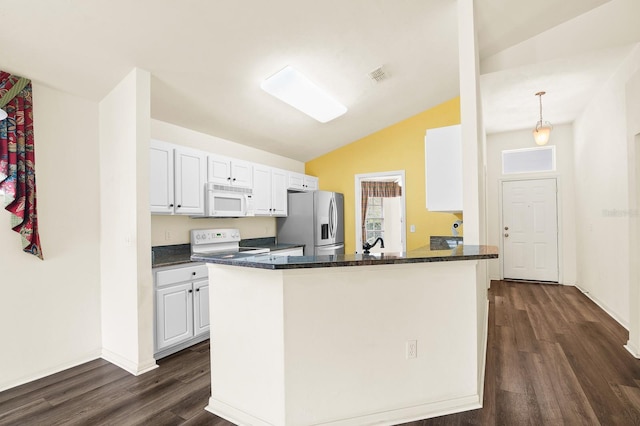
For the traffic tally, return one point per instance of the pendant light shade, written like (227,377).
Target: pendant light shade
(543,128)
(3,114)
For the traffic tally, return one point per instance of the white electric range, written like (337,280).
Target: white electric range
(220,241)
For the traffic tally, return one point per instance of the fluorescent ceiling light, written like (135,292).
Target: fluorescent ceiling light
(292,87)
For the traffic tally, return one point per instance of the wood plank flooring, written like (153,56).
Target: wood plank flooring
(553,358)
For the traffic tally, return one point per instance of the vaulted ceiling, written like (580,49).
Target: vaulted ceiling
(207,58)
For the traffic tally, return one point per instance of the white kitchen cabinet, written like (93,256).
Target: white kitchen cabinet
(201,307)
(174,314)
(443,160)
(181,308)
(177,179)
(301,182)
(229,171)
(269,191)
(161,177)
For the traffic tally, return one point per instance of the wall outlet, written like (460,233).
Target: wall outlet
(412,349)
(167,235)
(412,228)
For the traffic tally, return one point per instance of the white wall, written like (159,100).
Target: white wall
(176,228)
(633,139)
(562,138)
(602,194)
(125,240)
(50,309)
(473,163)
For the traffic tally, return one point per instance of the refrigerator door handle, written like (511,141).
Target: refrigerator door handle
(332,209)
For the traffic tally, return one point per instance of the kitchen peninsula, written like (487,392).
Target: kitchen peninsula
(346,339)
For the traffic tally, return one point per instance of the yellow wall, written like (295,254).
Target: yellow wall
(397,147)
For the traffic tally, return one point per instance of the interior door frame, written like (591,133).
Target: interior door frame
(358,203)
(559,216)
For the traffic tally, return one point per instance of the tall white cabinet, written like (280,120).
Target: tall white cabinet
(177,179)
(443,160)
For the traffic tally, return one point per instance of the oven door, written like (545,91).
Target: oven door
(226,204)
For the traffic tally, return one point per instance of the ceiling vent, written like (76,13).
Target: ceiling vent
(378,75)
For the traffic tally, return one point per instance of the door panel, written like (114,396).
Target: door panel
(201,307)
(174,315)
(530,230)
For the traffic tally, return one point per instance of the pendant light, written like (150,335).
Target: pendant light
(3,114)
(543,128)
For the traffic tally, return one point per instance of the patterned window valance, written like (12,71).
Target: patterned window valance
(17,160)
(373,189)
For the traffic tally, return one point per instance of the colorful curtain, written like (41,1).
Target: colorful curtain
(371,189)
(17,160)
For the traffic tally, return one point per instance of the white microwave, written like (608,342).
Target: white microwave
(228,201)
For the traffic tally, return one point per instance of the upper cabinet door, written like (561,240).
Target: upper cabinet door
(219,170)
(190,178)
(262,190)
(278,192)
(443,159)
(301,182)
(242,174)
(310,183)
(230,172)
(295,181)
(161,177)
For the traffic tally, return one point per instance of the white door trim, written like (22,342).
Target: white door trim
(559,204)
(358,203)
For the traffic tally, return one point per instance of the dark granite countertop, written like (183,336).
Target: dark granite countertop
(268,242)
(179,254)
(421,255)
(170,255)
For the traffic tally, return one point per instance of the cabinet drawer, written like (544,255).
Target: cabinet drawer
(177,275)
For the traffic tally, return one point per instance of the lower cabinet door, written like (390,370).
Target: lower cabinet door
(174,310)
(201,306)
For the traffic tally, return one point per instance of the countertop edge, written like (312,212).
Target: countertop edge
(306,262)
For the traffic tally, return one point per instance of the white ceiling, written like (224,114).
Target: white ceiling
(207,58)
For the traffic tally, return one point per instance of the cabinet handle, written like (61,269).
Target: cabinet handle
(198,289)
(193,273)
(234,179)
(190,291)
(170,205)
(229,178)
(179,205)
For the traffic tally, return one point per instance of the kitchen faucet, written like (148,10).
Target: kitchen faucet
(366,246)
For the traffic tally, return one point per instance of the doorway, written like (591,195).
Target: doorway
(380,211)
(530,230)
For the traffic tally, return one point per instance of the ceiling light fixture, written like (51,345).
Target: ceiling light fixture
(3,114)
(293,88)
(543,128)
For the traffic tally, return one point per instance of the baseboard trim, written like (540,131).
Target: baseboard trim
(385,418)
(483,367)
(48,372)
(130,366)
(632,349)
(603,307)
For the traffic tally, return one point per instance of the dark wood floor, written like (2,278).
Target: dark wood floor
(553,358)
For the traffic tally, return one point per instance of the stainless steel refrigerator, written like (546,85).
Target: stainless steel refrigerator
(315,219)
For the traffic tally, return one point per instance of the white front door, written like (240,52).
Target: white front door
(530,230)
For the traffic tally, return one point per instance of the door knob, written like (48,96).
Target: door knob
(506,235)
(506,228)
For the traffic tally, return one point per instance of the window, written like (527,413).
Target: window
(374,221)
(529,160)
